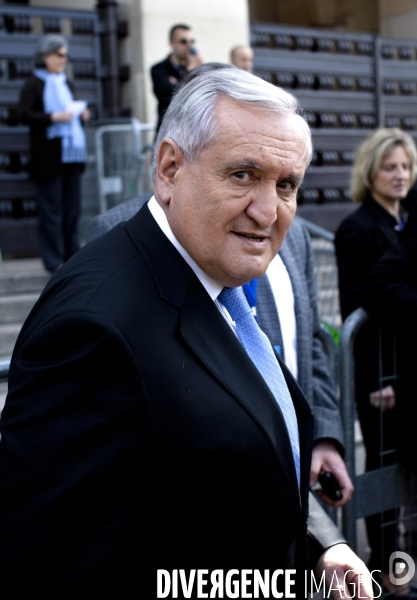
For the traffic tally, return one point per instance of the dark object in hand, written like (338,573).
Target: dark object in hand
(330,486)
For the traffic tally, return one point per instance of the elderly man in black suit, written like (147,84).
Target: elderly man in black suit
(290,276)
(142,434)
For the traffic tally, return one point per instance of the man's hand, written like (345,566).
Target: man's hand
(346,574)
(194,60)
(383,399)
(327,458)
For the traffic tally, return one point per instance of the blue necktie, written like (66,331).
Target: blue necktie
(260,351)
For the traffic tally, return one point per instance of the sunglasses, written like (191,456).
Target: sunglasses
(62,54)
(183,41)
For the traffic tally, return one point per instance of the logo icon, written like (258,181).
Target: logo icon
(401,568)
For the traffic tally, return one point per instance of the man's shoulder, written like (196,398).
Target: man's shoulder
(100,224)
(297,231)
(92,268)
(296,241)
(163,65)
(101,281)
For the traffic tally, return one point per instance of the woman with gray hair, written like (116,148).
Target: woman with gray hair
(58,150)
(383,172)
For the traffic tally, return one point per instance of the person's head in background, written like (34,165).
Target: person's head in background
(52,53)
(182,41)
(242,57)
(204,68)
(384,167)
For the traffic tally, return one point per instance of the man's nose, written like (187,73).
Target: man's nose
(263,205)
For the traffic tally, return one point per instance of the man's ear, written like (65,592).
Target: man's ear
(169,158)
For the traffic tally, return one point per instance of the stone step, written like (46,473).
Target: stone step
(22,282)
(15,308)
(8,337)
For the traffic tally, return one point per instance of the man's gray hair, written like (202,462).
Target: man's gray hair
(191,122)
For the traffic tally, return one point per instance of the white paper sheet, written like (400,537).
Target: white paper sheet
(76,107)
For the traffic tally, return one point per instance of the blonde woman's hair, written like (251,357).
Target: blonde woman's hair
(370,155)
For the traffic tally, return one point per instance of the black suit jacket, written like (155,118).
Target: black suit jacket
(162,87)
(138,434)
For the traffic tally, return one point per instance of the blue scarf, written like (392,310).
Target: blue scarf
(56,97)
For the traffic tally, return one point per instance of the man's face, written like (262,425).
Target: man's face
(243,58)
(182,41)
(232,209)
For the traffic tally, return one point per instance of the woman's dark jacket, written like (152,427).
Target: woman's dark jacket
(360,242)
(45,154)
(390,294)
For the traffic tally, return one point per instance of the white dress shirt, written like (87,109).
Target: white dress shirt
(284,300)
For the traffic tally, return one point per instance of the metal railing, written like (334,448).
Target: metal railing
(325,271)
(4,368)
(120,157)
(378,490)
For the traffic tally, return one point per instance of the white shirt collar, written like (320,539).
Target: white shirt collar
(211,286)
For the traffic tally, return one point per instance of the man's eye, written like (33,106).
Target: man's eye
(287,186)
(242,175)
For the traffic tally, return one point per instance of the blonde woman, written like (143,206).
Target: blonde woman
(383,172)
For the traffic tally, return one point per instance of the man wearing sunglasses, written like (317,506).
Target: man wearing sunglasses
(169,72)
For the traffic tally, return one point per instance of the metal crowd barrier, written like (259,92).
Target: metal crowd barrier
(379,490)
(121,156)
(4,368)
(382,489)
(325,271)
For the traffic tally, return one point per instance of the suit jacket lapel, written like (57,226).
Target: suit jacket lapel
(216,345)
(267,313)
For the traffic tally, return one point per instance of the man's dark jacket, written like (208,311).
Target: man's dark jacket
(138,435)
(162,87)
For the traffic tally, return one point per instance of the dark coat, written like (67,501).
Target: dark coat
(137,434)
(45,159)
(360,241)
(390,294)
(162,87)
